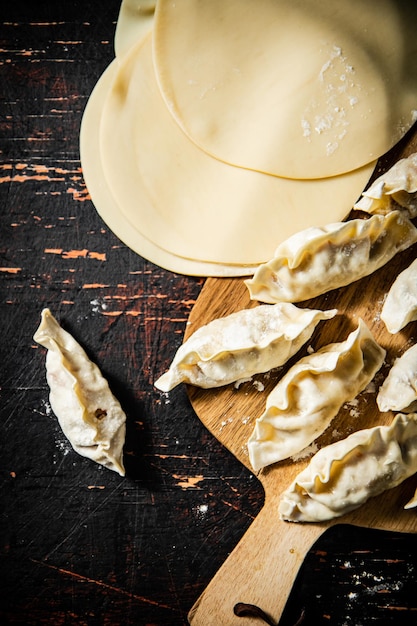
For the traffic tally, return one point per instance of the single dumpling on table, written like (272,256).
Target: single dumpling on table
(239,345)
(90,416)
(318,259)
(344,475)
(311,393)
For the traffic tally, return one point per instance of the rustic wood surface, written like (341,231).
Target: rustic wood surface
(79,544)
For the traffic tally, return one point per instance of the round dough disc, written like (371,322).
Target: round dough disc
(295,88)
(107,207)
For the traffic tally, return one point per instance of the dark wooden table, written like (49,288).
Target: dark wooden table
(80,545)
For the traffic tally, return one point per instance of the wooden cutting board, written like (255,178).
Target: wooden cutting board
(262,568)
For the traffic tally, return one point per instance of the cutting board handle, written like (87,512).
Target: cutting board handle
(261,570)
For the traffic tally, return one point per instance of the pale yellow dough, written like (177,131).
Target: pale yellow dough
(400,305)
(394,189)
(296,88)
(192,205)
(307,398)
(107,206)
(135,20)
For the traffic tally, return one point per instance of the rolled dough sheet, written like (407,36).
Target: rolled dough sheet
(135,20)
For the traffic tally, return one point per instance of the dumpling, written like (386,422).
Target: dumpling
(400,306)
(134,21)
(239,345)
(345,474)
(397,187)
(88,413)
(310,395)
(316,260)
(398,392)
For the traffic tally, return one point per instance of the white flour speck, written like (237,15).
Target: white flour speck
(306,126)
(165,397)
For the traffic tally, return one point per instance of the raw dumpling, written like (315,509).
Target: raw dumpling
(316,260)
(400,306)
(397,187)
(399,390)
(242,344)
(309,396)
(342,476)
(88,413)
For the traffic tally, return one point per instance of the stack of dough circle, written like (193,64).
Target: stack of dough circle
(221,129)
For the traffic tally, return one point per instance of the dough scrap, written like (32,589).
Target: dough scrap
(90,416)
